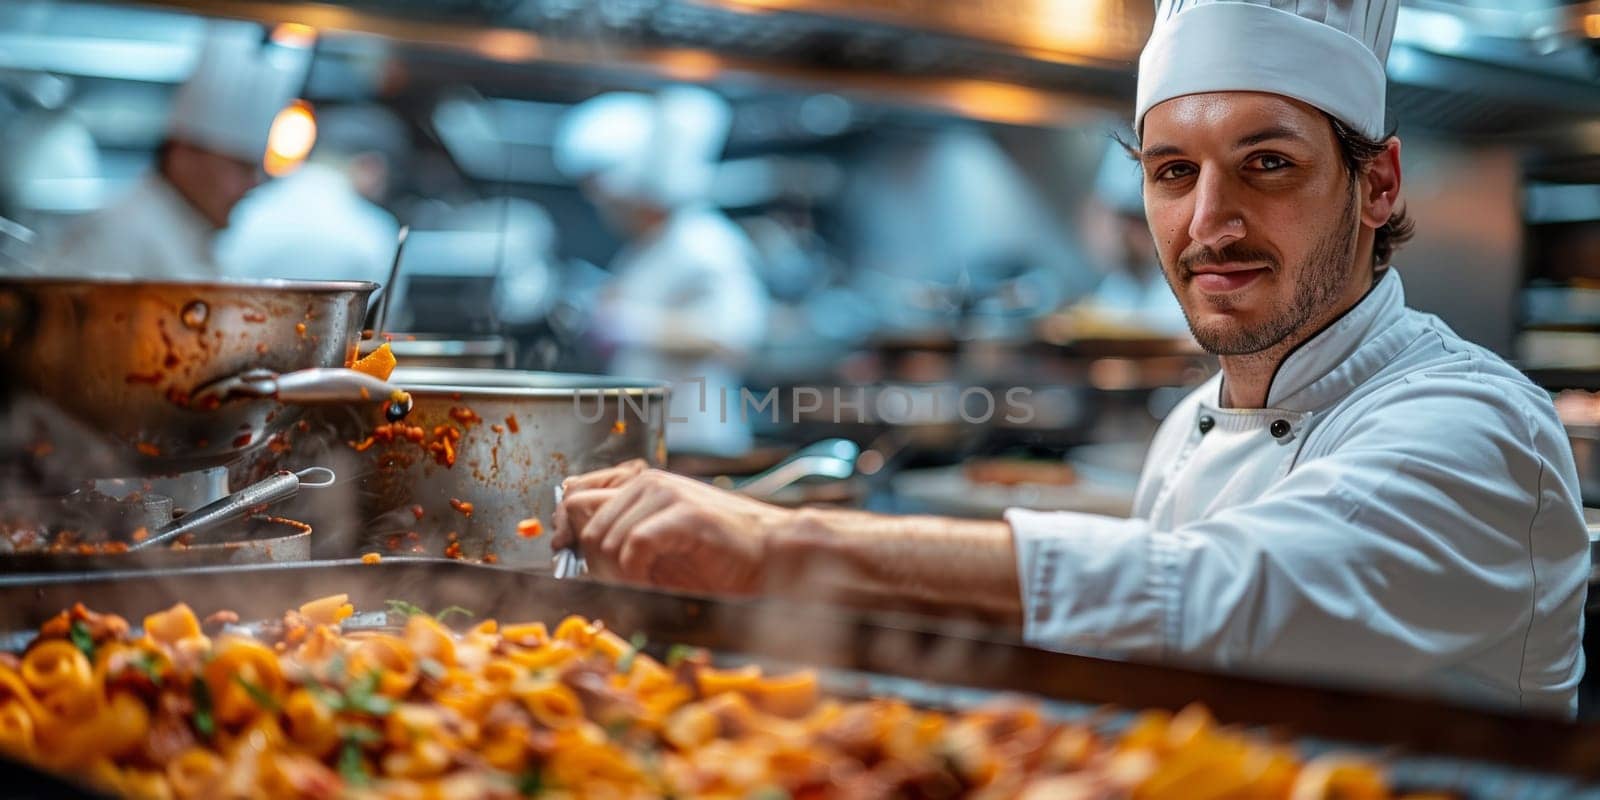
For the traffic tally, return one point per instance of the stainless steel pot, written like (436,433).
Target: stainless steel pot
(258,540)
(516,436)
(433,350)
(172,376)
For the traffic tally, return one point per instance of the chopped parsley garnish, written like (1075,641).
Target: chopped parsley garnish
(446,612)
(530,783)
(637,643)
(352,766)
(363,696)
(82,639)
(405,609)
(204,723)
(261,696)
(149,664)
(679,653)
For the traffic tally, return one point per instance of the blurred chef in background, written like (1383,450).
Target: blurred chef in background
(216,141)
(325,220)
(685,304)
(1134,293)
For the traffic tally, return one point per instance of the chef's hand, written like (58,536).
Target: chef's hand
(644,525)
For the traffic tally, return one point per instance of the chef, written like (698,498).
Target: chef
(212,155)
(685,305)
(1360,495)
(324,221)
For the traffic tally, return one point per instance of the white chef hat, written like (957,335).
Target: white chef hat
(663,148)
(605,135)
(1327,53)
(238,86)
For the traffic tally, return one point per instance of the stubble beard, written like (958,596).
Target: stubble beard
(1323,277)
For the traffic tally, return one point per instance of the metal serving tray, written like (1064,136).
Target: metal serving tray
(1428,744)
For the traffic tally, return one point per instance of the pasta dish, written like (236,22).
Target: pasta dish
(443,706)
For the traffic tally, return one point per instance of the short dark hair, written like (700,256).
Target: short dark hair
(1359,151)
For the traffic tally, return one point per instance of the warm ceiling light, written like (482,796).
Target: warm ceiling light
(294,34)
(1591,25)
(289,140)
(694,66)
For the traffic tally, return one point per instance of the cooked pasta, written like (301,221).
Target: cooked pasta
(419,709)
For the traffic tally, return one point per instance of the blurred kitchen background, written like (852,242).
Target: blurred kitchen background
(926,197)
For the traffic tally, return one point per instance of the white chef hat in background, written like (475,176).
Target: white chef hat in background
(239,85)
(1327,53)
(607,137)
(692,126)
(662,148)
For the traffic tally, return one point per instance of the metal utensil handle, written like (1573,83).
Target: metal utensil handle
(280,486)
(394,276)
(317,386)
(829,458)
(569,562)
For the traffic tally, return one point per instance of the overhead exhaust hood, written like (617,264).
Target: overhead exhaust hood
(1463,67)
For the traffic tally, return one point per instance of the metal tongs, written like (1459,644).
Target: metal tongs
(282,485)
(829,458)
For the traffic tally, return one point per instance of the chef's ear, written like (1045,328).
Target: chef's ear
(1380,185)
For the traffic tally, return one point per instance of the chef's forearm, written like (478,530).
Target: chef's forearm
(872,559)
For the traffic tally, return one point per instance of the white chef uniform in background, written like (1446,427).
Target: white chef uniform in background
(239,85)
(1404,510)
(689,275)
(323,221)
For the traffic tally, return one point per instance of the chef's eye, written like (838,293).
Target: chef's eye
(1174,172)
(1269,162)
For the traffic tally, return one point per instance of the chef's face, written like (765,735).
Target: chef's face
(212,182)
(1255,215)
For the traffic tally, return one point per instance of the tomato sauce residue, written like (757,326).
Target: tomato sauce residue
(148,449)
(453,550)
(530,528)
(293,523)
(300,329)
(242,439)
(254,316)
(151,378)
(461,506)
(511,424)
(464,415)
(371,558)
(416,511)
(490,558)
(619,427)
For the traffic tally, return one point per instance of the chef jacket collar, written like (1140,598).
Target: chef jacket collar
(1343,355)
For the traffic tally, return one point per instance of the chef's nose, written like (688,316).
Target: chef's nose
(1218,218)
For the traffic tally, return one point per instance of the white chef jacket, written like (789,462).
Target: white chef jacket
(308,225)
(696,266)
(150,232)
(1403,513)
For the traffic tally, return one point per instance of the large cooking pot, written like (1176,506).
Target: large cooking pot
(170,376)
(513,436)
(446,350)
